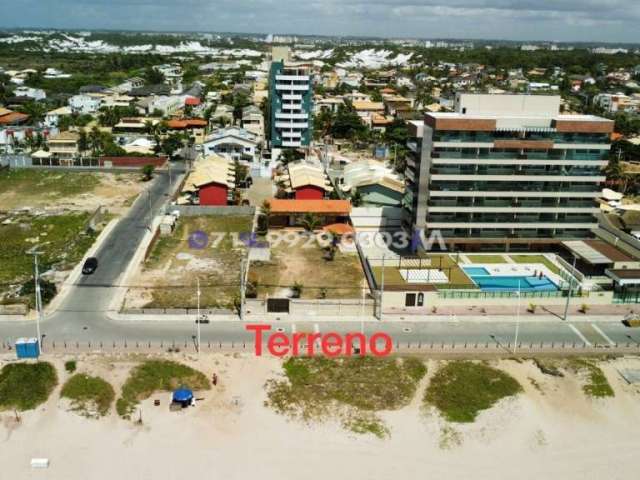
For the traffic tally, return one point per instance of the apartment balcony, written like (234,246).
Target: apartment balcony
(292,78)
(291,106)
(286,134)
(292,88)
(292,116)
(291,125)
(291,143)
(291,96)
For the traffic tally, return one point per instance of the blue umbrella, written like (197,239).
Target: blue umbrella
(182,395)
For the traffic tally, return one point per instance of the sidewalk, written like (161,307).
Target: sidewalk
(279,317)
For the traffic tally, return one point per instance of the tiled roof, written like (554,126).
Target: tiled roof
(327,207)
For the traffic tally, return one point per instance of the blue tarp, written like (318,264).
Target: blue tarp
(182,395)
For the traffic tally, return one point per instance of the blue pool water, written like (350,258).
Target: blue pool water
(476,271)
(487,282)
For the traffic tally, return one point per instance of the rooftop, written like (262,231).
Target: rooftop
(326,207)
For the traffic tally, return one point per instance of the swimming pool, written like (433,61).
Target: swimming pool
(510,283)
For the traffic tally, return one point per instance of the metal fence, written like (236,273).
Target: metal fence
(444,293)
(399,347)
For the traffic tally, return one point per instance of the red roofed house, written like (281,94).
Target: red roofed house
(307,181)
(291,212)
(195,126)
(211,182)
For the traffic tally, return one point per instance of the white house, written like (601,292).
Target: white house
(34,93)
(52,118)
(85,103)
(234,143)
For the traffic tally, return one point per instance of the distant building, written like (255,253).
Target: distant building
(64,146)
(290,102)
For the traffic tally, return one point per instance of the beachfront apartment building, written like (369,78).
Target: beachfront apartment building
(505,172)
(290,102)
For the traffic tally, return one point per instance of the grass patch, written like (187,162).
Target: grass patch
(486,259)
(351,389)
(24,386)
(341,277)
(61,239)
(27,186)
(461,389)
(157,375)
(88,393)
(70,366)
(536,259)
(596,385)
(365,423)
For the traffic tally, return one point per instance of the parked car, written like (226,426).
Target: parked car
(90,265)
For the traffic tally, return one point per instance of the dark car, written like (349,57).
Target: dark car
(90,265)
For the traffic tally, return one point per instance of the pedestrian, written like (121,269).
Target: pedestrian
(215,379)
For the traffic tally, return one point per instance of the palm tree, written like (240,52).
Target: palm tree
(83,142)
(310,222)
(95,141)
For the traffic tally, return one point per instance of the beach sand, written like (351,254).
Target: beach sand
(552,430)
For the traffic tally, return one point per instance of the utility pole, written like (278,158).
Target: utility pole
(149,203)
(515,344)
(243,286)
(381,287)
(198,319)
(38,296)
(566,306)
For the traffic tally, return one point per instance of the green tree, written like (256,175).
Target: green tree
(147,172)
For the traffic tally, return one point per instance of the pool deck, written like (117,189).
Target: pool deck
(517,270)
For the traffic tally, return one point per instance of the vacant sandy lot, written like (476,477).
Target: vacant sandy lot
(551,431)
(70,190)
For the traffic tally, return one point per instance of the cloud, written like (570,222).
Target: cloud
(585,20)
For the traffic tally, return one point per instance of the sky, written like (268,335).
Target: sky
(550,20)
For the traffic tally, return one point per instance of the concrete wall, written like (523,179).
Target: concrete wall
(197,210)
(376,218)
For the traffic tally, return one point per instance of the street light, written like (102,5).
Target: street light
(515,343)
(38,295)
(198,319)
(566,306)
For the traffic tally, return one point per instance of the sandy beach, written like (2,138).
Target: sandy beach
(552,430)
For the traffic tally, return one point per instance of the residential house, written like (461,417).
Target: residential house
(32,93)
(253,120)
(85,103)
(291,212)
(233,142)
(196,127)
(307,181)
(52,117)
(211,182)
(375,182)
(366,110)
(172,73)
(64,146)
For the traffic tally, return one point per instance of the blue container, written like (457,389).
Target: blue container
(27,348)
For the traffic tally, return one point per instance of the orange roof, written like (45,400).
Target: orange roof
(339,228)
(187,123)
(616,136)
(327,207)
(192,101)
(13,117)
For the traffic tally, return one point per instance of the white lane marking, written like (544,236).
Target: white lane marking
(579,333)
(604,335)
(293,328)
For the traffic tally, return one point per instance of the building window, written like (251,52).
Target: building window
(420,300)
